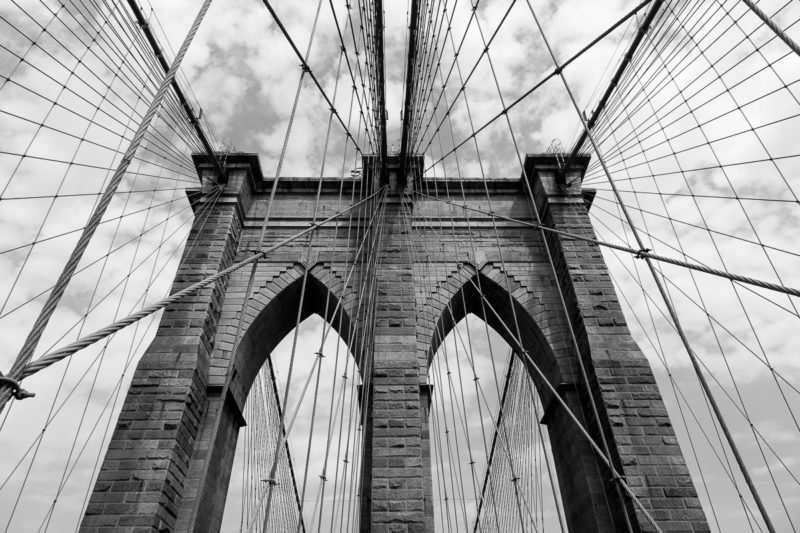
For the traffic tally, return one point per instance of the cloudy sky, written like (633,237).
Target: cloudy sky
(708,155)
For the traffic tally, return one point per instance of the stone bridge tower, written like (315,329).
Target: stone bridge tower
(163,441)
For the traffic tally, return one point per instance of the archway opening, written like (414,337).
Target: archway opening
(316,431)
(491,462)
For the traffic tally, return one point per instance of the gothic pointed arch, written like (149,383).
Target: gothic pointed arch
(171,453)
(273,311)
(511,307)
(525,317)
(288,296)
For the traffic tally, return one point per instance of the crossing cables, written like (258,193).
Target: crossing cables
(32,341)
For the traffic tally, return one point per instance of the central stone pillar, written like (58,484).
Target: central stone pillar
(395,478)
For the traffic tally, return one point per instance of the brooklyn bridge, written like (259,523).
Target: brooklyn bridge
(354,265)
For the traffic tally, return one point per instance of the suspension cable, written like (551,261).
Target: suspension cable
(62,353)
(667,302)
(643,253)
(26,353)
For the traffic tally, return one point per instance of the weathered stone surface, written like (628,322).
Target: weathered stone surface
(458,262)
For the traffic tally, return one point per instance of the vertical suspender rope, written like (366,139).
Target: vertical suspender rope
(606,451)
(9,386)
(667,302)
(487,473)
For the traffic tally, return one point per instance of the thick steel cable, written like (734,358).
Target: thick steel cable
(164,222)
(673,314)
(730,333)
(92,303)
(27,351)
(67,473)
(626,60)
(74,162)
(53,357)
(734,286)
(70,232)
(742,412)
(774,27)
(619,150)
(716,157)
(643,253)
(59,188)
(91,167)
(730,398)
(142,298)
(535,212)
(203,214)
(190,114)
(117,389)
(530,91)
(40,125)
(133,85)
(478,388)
(618,478)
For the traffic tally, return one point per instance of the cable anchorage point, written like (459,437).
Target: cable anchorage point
(16,389)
